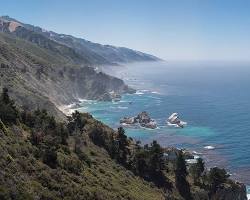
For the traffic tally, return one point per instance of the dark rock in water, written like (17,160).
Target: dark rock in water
(174,120)
(143,119)
(128,120)
(152,124)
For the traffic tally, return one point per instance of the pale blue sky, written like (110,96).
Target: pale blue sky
(170,29)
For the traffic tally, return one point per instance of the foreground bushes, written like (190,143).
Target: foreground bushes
(56,155)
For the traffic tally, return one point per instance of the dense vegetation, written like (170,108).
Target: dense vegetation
(47,157)
(42,158)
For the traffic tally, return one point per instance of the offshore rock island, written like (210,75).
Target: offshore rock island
(46,154)
(143,119)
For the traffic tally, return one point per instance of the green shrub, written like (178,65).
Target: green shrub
(8,112)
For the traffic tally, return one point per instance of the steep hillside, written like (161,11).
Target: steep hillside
(77,49)
(40,78)
(110,53)
(46,158)
(85,159)
(40,159)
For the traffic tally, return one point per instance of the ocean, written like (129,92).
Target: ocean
(212,97)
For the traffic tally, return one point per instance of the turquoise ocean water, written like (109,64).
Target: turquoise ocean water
(212,97)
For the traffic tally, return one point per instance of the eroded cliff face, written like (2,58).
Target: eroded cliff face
(36,79)
(232,191)
(48,87)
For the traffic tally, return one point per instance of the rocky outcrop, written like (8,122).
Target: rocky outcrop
(230,191)
(171,153)
(174,120)
(143,119)
(226,191)
(128,120)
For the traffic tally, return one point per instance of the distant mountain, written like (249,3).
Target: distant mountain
(42,73)
(49,157)
(76,49)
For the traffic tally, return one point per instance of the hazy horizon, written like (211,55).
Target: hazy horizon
(171,30)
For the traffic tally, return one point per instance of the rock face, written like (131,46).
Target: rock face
(42,78)
(171,153)
(128,120)
(232,191)
(174,120)
(143,119)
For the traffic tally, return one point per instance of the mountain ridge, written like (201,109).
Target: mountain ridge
(39,76)
(97,53)
(46,155)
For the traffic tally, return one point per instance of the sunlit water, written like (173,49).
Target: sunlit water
(213,98)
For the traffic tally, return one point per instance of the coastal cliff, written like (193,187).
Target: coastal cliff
(234,190)
(36,79)
(85,159)
(45,157)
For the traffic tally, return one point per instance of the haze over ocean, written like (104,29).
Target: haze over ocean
(211,97)
(204,76)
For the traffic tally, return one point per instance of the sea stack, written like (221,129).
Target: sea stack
(143,119)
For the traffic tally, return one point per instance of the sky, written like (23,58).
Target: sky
(169,29)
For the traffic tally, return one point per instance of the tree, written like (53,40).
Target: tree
(139,164)
(157,166)
(216,176)
(122,146)
(63,133)
(123,141)
(157,160)
(149,163)
(197,169)
(76,122)
(5,96)
(51,122)
(180,176)
(8,111)
(50,157)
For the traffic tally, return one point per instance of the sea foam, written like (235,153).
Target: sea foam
(209,147)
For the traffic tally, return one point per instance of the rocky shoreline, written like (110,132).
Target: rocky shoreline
(170,153)
(143,119)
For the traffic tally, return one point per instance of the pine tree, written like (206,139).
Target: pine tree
(8,111)
(180,176)
(156,162)
(196,170)
(5,96)
(216,176)
(123,144)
